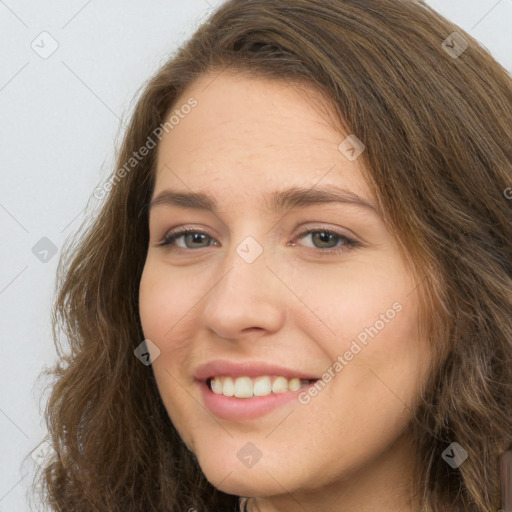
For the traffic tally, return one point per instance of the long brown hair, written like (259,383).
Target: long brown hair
(436,125)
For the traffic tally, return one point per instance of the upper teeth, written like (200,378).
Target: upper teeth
(245,387)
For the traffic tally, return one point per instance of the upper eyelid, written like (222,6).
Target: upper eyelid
(180,231)
(194,228)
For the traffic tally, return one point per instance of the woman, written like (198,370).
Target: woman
(264,370)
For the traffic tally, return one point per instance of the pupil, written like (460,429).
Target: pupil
(196,237)
(324,237)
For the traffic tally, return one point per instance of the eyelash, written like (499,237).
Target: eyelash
(347,245)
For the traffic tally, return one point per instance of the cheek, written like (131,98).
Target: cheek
(163,304)
(380,379)
(382,356)
(377,359)
(165,314)
(365,300)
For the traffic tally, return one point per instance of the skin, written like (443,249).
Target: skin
(349,448)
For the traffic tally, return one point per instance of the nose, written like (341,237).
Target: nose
(247,295)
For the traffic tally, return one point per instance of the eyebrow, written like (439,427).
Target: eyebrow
(278,202)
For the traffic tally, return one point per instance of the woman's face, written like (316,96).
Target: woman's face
(273,288)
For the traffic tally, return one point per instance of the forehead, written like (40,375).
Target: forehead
(247,134)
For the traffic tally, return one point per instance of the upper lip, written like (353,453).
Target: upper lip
(228,368)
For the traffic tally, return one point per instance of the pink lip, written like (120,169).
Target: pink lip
(240,409)
(224,367)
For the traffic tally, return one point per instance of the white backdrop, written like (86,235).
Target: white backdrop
(68,74)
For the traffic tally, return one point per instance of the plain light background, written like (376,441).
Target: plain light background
(61,117)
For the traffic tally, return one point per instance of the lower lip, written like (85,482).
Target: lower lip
(239,409)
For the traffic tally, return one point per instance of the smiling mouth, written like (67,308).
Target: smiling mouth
(247,387)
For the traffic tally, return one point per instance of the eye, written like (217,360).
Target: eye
(189,235)
(323,237)
(193,238)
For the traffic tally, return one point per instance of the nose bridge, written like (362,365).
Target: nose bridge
(246,295)
(247,271)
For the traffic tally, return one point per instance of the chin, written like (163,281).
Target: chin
(223,469)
